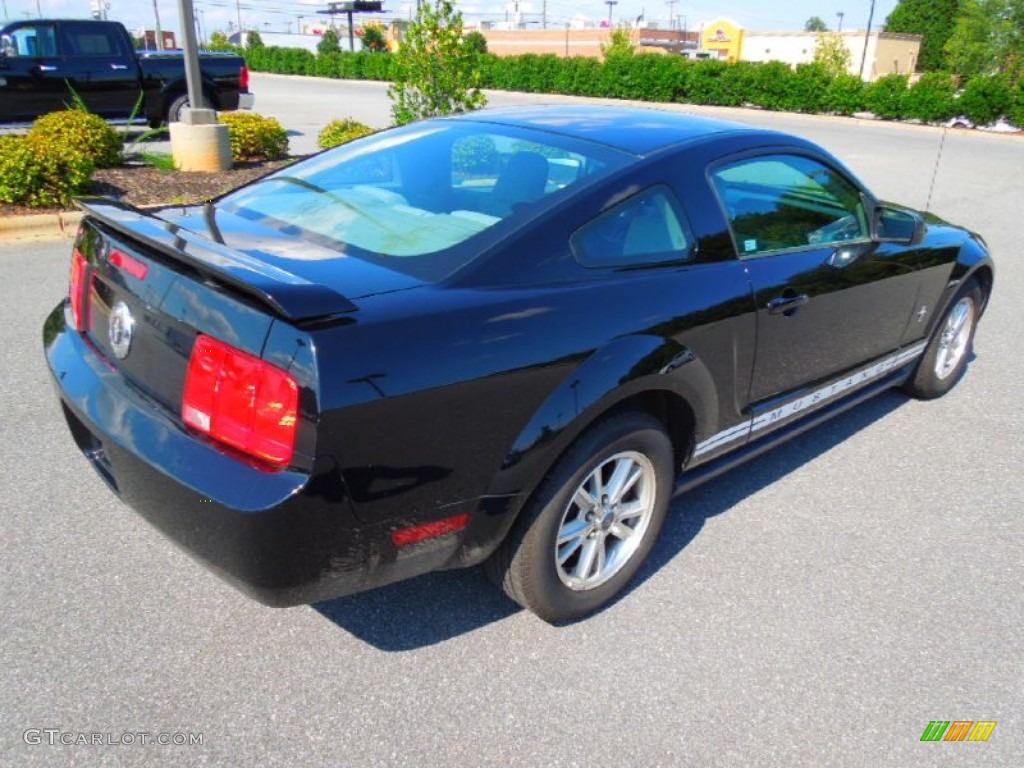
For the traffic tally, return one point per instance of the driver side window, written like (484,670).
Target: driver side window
(783,202)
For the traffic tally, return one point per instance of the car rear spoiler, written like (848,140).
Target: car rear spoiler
(285,294)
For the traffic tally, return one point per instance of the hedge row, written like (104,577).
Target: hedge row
(661,78)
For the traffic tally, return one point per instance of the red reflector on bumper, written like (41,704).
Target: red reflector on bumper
(406,536)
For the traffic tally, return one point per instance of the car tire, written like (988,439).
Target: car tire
(591,523)
(945,358)
(176,107)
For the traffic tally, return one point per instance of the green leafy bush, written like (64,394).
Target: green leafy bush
(34,173)
(79,132)
(986,98)
(885,96)
(714,82)
(340,132)
(844,95)
(931,98)
(1016,114)
(255,137)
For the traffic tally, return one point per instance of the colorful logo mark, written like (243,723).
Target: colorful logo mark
(958,730)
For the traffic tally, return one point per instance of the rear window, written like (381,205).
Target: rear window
(424,199)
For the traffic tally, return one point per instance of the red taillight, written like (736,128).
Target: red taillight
(405,536)
(129,264)
(243,79)
(241,400)
(76,289)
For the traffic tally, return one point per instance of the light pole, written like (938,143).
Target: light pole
(611,4)
(671,16)
(159,35)
(839,27)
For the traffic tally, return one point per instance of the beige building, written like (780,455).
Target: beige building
(886,52)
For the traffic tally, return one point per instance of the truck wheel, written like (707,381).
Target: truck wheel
(177,106)
(591,523)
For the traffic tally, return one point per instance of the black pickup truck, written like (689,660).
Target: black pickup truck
(41,60)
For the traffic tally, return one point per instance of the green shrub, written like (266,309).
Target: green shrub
(35,173)
(986,98)
(844,95)
(806,88)
(715,82)
(931,98)
(79,132)
(340,132)
(885,96)
(255,137)
(1016,114)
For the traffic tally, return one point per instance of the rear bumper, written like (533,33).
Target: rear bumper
(284,538)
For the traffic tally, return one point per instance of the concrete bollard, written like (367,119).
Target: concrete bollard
(200,146)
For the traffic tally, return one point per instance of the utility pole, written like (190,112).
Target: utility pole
(157,32)
(671,15)
(839,27)
(238,10)
(867,37)
(544,16)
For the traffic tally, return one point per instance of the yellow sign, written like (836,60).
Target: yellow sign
(724,37)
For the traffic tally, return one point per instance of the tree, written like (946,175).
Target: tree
(988,39)
(621,43)
(831,52)
(253,40)
(933,20)
(477,41)
(374,39)
(434,72)
(815,24)
(328,42)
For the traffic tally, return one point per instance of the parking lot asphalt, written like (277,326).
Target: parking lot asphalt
(817,607)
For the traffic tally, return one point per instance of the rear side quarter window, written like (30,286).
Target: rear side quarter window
(646,229)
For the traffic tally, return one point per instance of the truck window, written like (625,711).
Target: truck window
(91,40)
(34,41)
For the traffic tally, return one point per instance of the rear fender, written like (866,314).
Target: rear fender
(625,368)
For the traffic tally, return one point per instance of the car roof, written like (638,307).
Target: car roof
(634,130)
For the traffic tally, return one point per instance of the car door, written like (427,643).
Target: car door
(829,299)
(31,73)
(101,69)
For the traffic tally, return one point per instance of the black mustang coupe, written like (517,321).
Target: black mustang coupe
(507,337)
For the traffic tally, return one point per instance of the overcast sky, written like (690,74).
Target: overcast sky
(283,15)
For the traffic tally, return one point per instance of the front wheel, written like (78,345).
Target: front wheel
(591,523)
(945,358)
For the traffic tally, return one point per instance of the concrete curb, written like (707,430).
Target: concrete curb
(40,226)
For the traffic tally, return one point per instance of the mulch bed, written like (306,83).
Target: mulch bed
(142,185)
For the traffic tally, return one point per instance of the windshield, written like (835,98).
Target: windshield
(426,198)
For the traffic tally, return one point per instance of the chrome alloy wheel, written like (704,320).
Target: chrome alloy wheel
(954,339)
(605,520)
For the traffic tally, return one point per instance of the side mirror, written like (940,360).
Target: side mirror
(896,225)
(7,47)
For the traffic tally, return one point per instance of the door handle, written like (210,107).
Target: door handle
(46,68)
(787,305)
(119,66)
